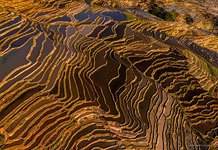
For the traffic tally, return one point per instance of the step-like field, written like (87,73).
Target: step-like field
(75,76)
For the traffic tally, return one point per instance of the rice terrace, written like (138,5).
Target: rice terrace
(108,75)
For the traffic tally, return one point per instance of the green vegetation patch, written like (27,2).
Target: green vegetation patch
(129,16)
(162,13)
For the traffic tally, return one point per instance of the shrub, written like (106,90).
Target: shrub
(162,13)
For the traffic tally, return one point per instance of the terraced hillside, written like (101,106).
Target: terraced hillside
(78,76)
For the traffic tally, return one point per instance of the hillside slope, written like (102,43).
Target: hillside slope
(85,76)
